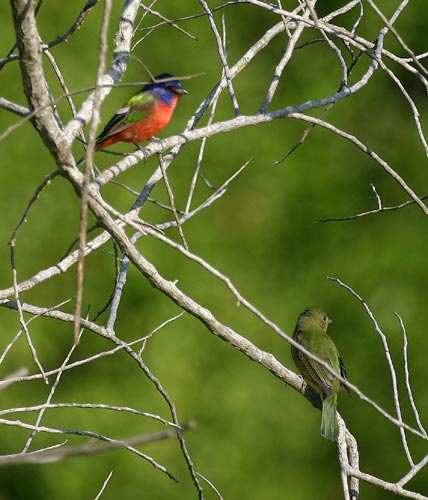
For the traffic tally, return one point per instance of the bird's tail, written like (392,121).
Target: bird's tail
(329,425)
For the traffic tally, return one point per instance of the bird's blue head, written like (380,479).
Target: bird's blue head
(165,87)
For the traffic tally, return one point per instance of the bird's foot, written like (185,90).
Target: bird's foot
(154,140)
(142,149)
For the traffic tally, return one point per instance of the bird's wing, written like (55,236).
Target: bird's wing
(343,373)
(137,108)
(115,125)
(318,343)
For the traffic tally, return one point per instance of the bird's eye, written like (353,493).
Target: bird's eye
(169,87)
(325,318)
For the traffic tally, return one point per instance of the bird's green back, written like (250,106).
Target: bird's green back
(139,106)
(310,333)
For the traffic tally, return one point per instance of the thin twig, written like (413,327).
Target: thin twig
(172,202)
(21,313)
(103,487)
(49,398)
(91,434)
(88,167)
(61,452)
(13,376)
(407,375)
(171,23)
(222,55)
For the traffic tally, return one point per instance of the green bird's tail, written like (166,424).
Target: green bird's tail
(329,425)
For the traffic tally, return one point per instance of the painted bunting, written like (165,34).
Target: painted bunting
(311,333)
(145,114)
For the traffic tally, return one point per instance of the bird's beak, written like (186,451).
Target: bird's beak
(179,90)
(329,320)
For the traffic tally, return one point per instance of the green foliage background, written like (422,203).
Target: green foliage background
(254,438)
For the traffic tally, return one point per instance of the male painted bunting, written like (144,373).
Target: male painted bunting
(144,114)
(311,333)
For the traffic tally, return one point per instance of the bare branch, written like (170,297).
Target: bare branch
(88,166)
(120,59)
(13,107)
(85,433)
(104,485)
(60,452)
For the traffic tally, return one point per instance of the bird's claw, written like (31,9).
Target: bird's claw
(142,149)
